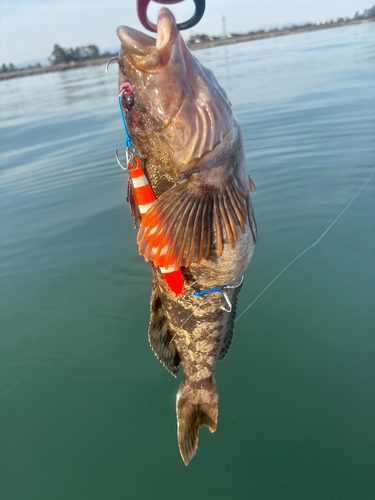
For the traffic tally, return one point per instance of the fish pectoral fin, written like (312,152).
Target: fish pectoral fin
(189,222)
(132,200)
(160,336)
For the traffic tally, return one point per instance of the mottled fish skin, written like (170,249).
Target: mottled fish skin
(191,150)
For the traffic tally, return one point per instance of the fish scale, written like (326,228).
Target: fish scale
(159,182)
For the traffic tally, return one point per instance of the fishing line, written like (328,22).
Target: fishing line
(306,249)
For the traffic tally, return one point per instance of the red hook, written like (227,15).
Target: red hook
(142,5)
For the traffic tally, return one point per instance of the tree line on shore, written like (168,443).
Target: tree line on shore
(66,56)
(60,55)
(11,67)
(367,13)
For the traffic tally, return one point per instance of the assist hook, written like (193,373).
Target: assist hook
(142,5)
(219,289)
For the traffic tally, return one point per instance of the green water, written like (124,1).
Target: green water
(87,411)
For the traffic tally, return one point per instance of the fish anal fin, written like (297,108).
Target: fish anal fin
(230,325)
(192,221)
(160,335)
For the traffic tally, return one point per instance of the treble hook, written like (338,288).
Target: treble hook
(142,5)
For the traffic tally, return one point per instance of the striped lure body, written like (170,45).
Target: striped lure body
(143,191)
(146,199)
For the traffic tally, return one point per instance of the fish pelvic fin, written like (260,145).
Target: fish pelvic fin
(194,408)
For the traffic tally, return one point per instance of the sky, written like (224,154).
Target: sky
(30,28)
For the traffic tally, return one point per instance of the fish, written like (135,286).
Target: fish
(190,148)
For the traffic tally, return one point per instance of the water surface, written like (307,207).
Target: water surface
(87,411)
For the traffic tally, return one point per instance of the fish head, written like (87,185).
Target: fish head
(175,105)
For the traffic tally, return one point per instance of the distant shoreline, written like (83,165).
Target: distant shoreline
(275,33)
(192,46)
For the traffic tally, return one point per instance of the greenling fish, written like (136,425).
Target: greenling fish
(190,149)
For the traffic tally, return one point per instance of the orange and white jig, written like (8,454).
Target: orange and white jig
(146,199)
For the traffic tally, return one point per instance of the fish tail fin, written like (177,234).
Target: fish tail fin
(195,407)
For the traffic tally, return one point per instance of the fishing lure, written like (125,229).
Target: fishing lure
(146,199)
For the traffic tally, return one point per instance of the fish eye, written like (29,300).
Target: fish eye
(127,101)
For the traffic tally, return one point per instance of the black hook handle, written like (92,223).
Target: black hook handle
(142,5)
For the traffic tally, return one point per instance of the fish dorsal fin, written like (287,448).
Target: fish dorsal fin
(230,325)
(160,336)
(186,224)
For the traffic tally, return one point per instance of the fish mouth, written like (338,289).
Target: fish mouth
(145,52)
